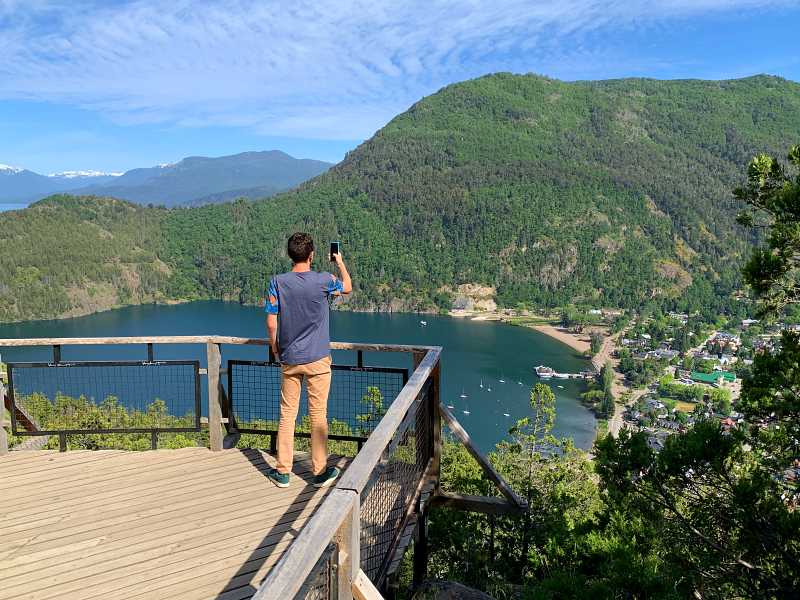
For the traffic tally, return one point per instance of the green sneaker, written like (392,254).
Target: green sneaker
(279,479)
(326,478)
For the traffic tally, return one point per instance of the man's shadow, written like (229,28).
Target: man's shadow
(283,529)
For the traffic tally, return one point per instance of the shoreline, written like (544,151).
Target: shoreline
(568,339)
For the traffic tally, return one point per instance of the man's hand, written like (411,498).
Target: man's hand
(274,346)
(347,285)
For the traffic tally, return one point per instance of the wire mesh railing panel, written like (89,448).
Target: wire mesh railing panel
(358,399)
(321,583)
(386,505)
(107,397)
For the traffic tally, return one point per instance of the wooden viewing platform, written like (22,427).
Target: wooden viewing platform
(175,524)
(206,523)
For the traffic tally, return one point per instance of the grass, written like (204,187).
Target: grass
(529,321)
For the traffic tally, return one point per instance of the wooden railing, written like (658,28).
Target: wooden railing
(339,519)
(216,400)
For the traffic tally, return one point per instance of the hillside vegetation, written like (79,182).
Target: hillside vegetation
(603,193)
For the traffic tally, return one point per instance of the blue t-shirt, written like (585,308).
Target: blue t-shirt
(301,300)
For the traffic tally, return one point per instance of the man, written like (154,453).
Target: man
(299,333)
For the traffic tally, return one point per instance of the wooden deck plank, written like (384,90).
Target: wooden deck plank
(147,525)
(178,471)
(221,477)
(113,531)
(265,501)
(130,499)
(88,459)
(265,490)
(190,497)
(132,570)
(108,468)
(55,460)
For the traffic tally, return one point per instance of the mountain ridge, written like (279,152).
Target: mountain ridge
(613,193)
(186,181)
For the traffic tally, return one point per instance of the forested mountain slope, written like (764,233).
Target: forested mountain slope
(615,192)
(611,193)
(70,256)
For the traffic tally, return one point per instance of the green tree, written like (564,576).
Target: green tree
(530,437)
(373,399)
(721,502)
(596,341)
(772,194)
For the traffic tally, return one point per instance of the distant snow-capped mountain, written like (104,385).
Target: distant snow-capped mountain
(18,185)
(83,174)
(193,180)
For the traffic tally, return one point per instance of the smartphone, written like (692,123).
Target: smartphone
(334,249)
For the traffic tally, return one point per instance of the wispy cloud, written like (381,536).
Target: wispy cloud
(334,69)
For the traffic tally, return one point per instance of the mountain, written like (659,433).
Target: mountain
(20,185)
(536,191)
(224,178)
(189,181)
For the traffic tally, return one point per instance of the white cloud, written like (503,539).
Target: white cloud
(334,69)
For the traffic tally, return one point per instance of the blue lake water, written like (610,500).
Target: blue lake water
(474,352)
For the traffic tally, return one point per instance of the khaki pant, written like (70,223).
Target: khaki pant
(318,378)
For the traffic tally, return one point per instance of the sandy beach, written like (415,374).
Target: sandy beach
(578,342)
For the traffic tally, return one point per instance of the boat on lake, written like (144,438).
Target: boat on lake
(544,372)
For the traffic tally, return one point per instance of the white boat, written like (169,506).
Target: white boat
(502,380)
(519,383)
(463,394)
(544,372)
(450,406)
(423,323)
(506,415)
(481,383)
(488,389)
(466,412)
(561,387)
(561,375)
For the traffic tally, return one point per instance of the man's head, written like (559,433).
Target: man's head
(300,247)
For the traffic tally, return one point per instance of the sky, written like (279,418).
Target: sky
(115,85)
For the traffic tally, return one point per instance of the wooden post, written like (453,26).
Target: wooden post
(437,429)
(214,410)
(348,539)
(418,356)
(3,434)
(421,549)
(363,588)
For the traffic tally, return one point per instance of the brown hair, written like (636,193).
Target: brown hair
(300,247)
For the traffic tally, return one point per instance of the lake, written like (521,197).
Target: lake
(474,352)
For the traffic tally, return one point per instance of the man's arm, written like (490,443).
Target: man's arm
(272,334)
(347,285)
(273,308)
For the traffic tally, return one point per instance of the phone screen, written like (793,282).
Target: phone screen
(334,249)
